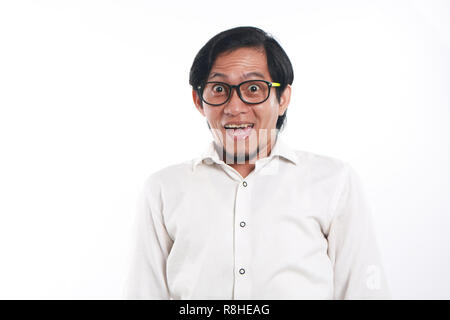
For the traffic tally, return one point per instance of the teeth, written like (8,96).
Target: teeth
(235,126)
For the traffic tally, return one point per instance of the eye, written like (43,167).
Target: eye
(218,88)
(253,88)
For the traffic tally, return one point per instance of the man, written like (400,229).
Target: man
(252,218)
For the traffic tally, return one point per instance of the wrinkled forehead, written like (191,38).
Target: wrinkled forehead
(243,63)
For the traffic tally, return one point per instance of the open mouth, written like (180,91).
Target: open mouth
(239,131)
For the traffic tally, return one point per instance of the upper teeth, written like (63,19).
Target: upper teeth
(233,126)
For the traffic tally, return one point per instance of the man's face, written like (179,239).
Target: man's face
(233,68)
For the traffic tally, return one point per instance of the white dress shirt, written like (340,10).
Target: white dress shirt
(297,227)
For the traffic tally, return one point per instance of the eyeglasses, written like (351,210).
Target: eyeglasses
(252,91)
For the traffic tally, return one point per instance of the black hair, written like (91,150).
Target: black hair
(278,63)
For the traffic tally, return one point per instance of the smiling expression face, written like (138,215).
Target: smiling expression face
(254,141)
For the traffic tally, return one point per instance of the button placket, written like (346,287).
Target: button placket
(242,242)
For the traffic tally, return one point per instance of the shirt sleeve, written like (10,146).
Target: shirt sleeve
(151,247)
(352,245)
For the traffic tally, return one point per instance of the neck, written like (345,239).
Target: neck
(244,169)
(248,165)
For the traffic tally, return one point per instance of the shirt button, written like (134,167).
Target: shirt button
(241,271)
(244,184)
(242,224)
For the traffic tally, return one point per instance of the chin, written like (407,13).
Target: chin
(240,157)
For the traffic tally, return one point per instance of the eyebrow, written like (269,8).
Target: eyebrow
(245,76)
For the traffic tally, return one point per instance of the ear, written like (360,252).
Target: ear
(198,102)
(284,100)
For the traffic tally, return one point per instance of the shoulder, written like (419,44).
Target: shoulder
(321,166)
(172,178)
(169,175)
(332,176)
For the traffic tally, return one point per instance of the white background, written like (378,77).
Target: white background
(94,97)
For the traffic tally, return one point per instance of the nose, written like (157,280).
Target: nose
(235,105)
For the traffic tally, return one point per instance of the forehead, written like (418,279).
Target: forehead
(239,62)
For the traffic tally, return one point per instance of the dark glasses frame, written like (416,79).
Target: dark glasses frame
(230,87)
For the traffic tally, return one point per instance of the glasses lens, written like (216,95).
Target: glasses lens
(254,91)
(215,93)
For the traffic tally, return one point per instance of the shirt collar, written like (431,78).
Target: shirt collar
(280,149)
